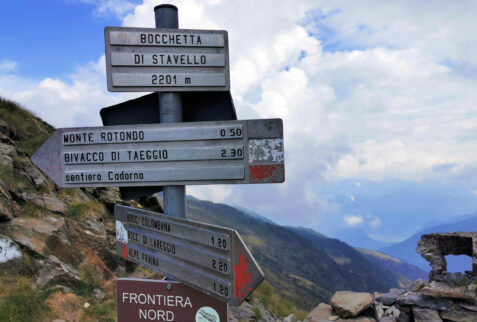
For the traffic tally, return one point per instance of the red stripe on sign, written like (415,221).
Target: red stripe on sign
(260,173)
(125,251)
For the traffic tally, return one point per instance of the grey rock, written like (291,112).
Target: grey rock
(350,304)
(392,311)
(378,310)
(7,149)
(459,316)
(425,315)
(390,297)
(468,307)
(388,319)
(321,312)
(443,290)
(404,317)
(48,201)
(416,299)
(291,318)
(98,294)
(241,312)
(416,285)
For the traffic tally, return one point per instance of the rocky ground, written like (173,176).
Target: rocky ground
(454,299)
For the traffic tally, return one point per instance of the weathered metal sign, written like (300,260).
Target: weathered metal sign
(217,152)
(151,300)
(210,258)
(150,59)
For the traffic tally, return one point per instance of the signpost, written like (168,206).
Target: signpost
(150,59)
(248,151)
(210,258)
(150,300)
(172,154)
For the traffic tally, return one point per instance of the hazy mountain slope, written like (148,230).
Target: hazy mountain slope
(406,250)
(357,237)
(404,272)
(304,266)
(408,272)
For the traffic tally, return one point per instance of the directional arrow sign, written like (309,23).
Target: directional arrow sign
(215,152)
(210,258)
(150,59)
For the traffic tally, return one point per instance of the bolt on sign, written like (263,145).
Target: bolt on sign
(150,59)
(152,300)
(209,258)
(217,152)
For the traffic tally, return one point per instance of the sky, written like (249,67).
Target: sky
(378,98)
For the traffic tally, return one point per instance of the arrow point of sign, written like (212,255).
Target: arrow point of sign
(48,158)
(247,273)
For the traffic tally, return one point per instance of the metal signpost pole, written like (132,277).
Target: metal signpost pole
(170,110)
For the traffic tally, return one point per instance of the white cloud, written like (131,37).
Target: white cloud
(8,65)
(116,7)
(75,102)
(391,99)
(352,220)
(373,221)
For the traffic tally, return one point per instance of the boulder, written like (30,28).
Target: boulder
(442,290)
(425,315)
(468,307)
(48,201)
(34,232)
(290,318)
(404,317)
(321,312)
(388,319)
(390,297)
(416,299)
(416,285)
(350,304)
(459,316)
(241,312)
(378,310)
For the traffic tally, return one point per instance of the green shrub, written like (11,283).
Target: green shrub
(76,211)
(89,282)
(23,304)
(257,313)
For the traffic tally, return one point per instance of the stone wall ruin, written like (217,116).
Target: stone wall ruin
(434,248)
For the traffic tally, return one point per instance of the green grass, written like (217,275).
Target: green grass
(78,210)
(31,132)
(6,175)
(30,210)
(23,304)
(89,282)
(274,303)
(104,312)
